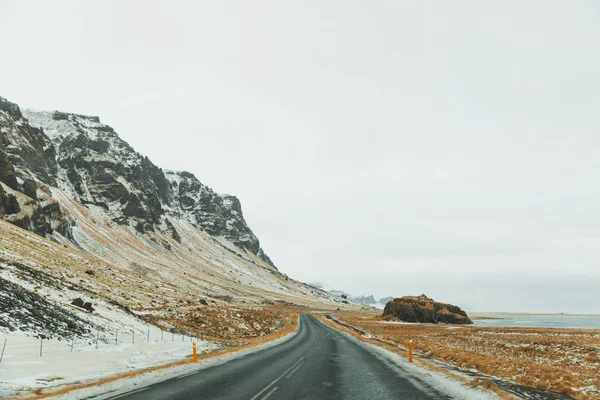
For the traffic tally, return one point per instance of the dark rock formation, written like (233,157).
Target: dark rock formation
(29,188)
(7,171)
(81,304)
(24,146)
(423,309)
(26,160)
(11,205)
(24,309)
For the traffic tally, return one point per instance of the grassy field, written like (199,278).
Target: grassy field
(560,360)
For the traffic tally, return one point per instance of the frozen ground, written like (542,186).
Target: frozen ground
(78,346)
(121,386)
(23,369)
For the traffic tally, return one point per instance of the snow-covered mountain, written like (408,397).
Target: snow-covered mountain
(90,163)
(365,300)
(103,223)
(370,301)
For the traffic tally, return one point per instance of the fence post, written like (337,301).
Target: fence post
(41,341)
(173,337)
(3,347)
(97,336)
(148,335)
(72,342)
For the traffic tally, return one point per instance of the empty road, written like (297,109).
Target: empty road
(317,363)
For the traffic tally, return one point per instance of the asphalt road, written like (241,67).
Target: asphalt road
(317,363)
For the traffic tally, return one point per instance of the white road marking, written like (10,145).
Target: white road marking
(129,393)
(183,376)
(287,370)
(294,370)
(270,393)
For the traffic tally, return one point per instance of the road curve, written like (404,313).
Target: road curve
(317,363)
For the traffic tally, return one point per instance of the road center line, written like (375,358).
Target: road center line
(270,393)
(287,370)
(294,370)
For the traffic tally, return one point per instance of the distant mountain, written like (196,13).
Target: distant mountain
(365,300)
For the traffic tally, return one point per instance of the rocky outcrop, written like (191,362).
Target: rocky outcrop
(26,169)
(216,214)
(27,148)
(85,305)
(423,309)
(7,171)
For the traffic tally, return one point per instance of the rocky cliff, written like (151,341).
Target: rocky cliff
(26,174)
(45,152)
(423,309)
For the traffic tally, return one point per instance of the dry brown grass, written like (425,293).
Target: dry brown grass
(560,360)
(228,323)
(395,349)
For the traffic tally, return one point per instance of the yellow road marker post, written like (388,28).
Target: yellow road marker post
(195,355)
(410,351)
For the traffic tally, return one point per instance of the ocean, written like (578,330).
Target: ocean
(537,320)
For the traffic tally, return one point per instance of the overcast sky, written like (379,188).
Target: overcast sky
(386,147)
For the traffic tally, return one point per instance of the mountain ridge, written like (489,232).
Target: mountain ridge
(86,159)
(367,300)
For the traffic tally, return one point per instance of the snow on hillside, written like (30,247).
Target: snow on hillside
(59,128)
(66,362)
(94,166)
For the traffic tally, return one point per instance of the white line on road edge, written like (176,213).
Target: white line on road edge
(270,393)
(129,393)
(295,369)
(287,370)
(191,373)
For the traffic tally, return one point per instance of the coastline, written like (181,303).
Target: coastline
(484,313)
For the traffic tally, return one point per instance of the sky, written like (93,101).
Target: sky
(389,148)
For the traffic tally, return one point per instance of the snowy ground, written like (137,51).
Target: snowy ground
(109,341)
(121,386)
(23,369)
